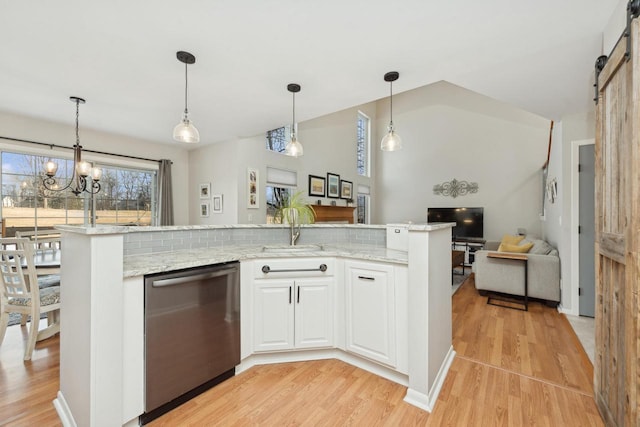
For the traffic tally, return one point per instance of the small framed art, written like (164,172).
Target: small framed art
(216,201)
(316,186)
(346,189)
(333,185)
(205,190)
(204,209)
(253,201)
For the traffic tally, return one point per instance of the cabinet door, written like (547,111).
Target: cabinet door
(370,311)
(273,321)
(314,313)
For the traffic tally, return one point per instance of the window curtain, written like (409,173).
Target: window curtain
(165,193)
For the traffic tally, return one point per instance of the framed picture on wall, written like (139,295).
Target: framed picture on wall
(346,189)
(216,201)
(204,210)
(205,190)
(333,185)
(316,186)
(253,199)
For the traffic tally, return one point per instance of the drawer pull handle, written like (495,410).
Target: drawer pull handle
(366,278)
(266,269)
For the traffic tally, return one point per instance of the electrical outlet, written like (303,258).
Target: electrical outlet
(250,218)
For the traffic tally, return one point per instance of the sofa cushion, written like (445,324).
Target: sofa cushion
(540,247)
(511,240)
(523,249)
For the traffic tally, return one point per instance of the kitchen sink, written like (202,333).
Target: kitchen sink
(291,249)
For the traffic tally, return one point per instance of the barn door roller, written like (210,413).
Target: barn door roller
(633,9)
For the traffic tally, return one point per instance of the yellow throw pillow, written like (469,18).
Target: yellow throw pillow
(521,249)
(511,240)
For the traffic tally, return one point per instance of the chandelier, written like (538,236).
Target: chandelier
(81,169)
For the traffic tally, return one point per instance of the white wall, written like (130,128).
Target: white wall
(557,225)
(215,164)
(449,132)
(29,128)
(329,146)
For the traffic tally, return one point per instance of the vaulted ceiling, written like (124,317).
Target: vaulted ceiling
(121,56)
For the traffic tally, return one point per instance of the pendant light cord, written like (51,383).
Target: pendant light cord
(293,125)
(391,103)
(186,88)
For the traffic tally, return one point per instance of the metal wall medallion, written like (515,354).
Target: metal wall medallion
(455,188)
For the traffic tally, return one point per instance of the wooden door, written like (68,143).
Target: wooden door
(617,235)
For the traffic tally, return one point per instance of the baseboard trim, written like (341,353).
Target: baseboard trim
(428,401)
(323,354)
(64,413)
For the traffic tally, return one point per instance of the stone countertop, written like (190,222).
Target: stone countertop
(123,229)
(139,265)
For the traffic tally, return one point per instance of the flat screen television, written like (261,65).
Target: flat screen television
(469,221)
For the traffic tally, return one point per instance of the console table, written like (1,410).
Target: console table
(469,245)
(328,213)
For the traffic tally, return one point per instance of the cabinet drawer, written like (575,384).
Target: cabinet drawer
(293,267)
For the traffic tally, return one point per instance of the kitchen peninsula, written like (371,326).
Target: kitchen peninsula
(384,310)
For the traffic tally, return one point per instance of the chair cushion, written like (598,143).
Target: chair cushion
(48,281)
(48,296)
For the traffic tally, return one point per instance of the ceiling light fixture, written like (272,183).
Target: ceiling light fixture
(391,141)
(293,148)
(185,131)
(81,169)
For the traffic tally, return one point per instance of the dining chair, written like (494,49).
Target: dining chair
(17,295)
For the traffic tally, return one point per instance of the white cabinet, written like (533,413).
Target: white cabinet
(273,315)
(370,300)
(293,312)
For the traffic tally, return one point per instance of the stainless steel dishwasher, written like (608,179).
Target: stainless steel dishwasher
(192,334)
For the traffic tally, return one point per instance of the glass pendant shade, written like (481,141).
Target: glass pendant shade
(83,168)
(96,174)
(294,148)
(185,131)
(50,168)
(391,141)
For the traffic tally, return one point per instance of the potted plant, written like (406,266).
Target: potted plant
(295,211)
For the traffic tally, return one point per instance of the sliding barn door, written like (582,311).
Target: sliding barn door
(616,379)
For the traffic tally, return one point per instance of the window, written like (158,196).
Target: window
(363,144)
(277,139)
(281,185)
(126,197)
(362,209)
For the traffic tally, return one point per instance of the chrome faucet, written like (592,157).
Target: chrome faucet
(294,233)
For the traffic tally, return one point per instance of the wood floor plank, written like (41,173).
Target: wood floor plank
(513,369)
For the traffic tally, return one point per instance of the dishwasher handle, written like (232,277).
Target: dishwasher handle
(186,279)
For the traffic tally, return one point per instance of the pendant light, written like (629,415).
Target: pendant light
(81,169)
(185,131)
(293,148)
(391,141)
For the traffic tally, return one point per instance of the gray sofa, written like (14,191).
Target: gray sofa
(507,276)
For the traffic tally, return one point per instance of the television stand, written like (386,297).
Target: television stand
(469,245)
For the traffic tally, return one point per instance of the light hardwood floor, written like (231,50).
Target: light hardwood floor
(512,368)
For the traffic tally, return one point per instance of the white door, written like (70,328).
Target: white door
(314,304)
(273,327)
(370,311)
